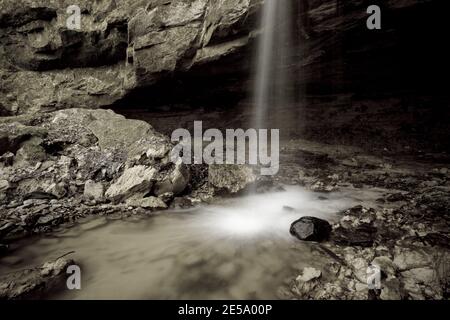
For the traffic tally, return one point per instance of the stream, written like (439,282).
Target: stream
(238,249)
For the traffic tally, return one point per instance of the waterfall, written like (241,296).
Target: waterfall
(272,81)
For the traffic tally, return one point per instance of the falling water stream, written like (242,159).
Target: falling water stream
(272,60)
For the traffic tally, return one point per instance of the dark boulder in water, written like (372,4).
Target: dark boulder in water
(310,229)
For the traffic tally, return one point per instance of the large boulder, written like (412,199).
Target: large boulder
(310,229)
(135,180)
(231,178)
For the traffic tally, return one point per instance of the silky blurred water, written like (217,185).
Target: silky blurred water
(240,249)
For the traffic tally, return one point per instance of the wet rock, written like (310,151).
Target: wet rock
(135,180)
(4,185)
(435,199)
(309,274)
(311,229)
(49,219)
(352,162)
(410,258)
(174,182)
(320,186)
(157,152)
(94,190)
(396,197)
(31,151)
(147,203)
(307,281)
(166,197)
(437,239)
(359,266)
(39,195)
(7,158)
(59,190)
(392,290)
(32,283)
(181,203)
(231,178)
(115,131)
(413,289)
(385,264)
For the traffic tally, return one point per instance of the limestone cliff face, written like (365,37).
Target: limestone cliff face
(131,45)
(121,45)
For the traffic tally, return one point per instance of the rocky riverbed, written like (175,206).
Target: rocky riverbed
(406,233)
(61,166)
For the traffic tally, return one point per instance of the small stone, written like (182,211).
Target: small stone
(361,287)
(319,186)
(385,264)
(94,190)
(391,290)
(307,281)
(396,197)
(359,268)
(4,185)
(309,274)
(59,190)
(181,203)
(48,220)
(157,153)
(413,289)
(166,197)
(148,203)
